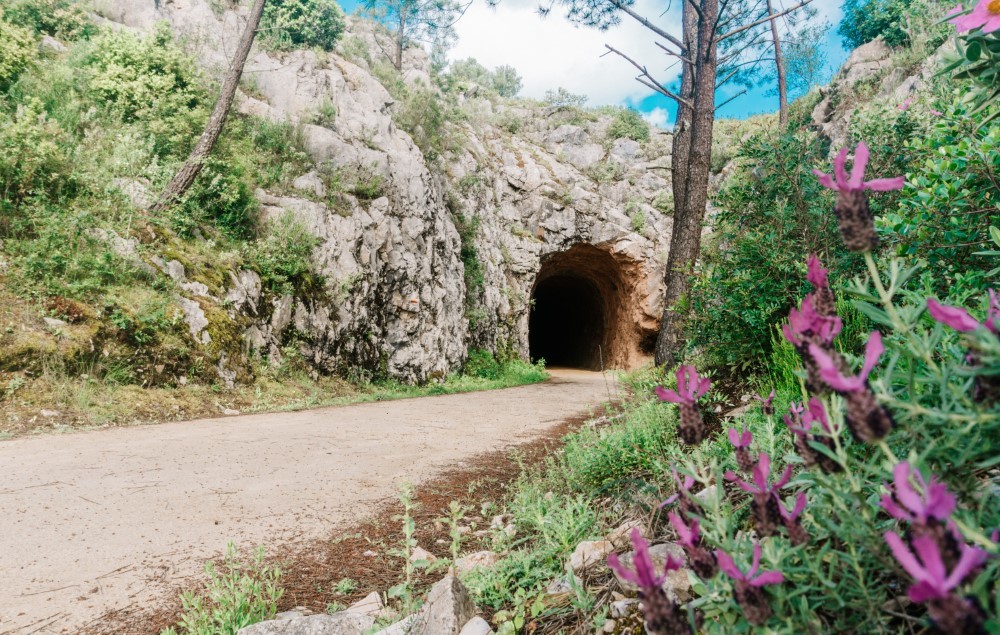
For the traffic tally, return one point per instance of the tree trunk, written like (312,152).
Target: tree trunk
(780,64)
(179,185)
(689,214)
(400,35)
(682,127)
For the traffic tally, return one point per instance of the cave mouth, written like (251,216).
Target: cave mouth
(567,325)
(577,309)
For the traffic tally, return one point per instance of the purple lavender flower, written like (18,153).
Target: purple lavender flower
(986,388)
(857,226)
(927,510)
(688,503)
(764,506)
(817,414)
(935,586)
(690,387)
(793,521)
(867,420)
(823,299)
(747,586)
(662,615)
(689,537)
(741,448)
(932,502)
(805,328)
(766,405)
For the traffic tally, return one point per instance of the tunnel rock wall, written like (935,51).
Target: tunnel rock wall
(540,185)
(560,199)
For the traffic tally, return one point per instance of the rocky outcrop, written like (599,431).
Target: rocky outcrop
(554,200)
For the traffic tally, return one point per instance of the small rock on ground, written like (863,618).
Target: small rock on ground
(476,626)
(421,554)
(588,554)
(477,559)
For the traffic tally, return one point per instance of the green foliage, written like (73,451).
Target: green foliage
(628,124)
(506,81)
(562,98)
(429,119)
(607,171)
(772,216)
(149,80)
(475,281)
(236,595)
(219,195)
(865,20)
(32,160)
(978,60)
(283,255)
(59,18)
(952,196)
(17,50)
(290,24)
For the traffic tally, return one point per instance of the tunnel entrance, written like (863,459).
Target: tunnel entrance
(579,308)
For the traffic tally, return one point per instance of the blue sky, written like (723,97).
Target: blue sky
(551,52)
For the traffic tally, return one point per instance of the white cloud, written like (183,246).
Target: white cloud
(551,52)
(657,117)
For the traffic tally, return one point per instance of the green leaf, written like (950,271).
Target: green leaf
(876,314)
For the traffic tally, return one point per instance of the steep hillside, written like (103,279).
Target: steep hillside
(354,222)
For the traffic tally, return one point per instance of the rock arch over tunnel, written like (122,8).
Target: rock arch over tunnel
(581,310)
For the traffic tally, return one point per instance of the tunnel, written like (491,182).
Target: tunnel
(578,310)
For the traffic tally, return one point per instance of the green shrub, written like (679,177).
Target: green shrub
(149,80)
(219,195)
(58,18)
(289,24)
(865,20)
(17,50)
(236,595)
(952,195)
(32,159)
(628,124)
(283,255)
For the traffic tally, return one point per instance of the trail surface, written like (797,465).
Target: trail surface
(107,519)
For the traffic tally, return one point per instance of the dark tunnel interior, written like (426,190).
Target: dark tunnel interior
(567,322)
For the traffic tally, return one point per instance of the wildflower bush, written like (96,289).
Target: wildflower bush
(290,24)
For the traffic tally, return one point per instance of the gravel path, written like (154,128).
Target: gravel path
(111,518)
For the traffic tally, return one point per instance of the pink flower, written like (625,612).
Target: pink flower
(817,275)
(750,577)
(829,372)
(906,104)
(960,319)
(936,113)
(985,15)
(792,514)
(905,503)
(682,487)
(761,474)
(953,316)
(687,535)
(645,575)
(807,322)
(689,387)
(816,414)
(794,419)
(932,580)
(856,182)
(740,440)
(766,405)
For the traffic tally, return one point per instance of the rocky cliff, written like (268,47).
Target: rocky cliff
(547,201)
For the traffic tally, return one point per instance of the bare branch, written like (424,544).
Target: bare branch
(737,95)
(649,25)
(680,56)
(763,20)
(647,79)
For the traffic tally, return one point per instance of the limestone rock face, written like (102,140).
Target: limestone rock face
(550,198)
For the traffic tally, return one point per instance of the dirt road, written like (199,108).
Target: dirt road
(107,519)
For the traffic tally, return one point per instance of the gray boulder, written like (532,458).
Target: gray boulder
(343,623)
